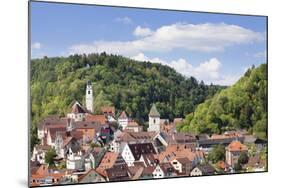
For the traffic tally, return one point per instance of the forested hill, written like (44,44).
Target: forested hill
(241,106)
(128,85)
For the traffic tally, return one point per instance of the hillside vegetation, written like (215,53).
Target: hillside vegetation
(241,106)
(127,84)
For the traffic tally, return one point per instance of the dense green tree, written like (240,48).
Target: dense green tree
(49,157)
(241,106)
(217,154)
(243,158)
(127,84)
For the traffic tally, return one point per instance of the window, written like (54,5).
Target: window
(154,121)
(89,92)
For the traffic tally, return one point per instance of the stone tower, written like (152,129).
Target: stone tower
(154,119)
(89,97)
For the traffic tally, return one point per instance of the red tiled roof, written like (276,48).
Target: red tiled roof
(236,146)
(78,135)
(51,121)
(96,118)
(107,162)
(178,151)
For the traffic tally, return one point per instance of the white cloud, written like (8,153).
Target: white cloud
(142,31)
(208,71)
(124,20)
(36,45)
(206,37)
(142,57)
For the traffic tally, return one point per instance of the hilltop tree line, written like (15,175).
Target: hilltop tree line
(241,106)
(124,83)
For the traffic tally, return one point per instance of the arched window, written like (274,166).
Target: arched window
(154,121)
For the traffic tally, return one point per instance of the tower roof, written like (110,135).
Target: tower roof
(89,82)
(153,111)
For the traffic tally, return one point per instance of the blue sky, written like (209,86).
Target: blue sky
(215,48)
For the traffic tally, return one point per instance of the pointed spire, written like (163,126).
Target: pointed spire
(153,111)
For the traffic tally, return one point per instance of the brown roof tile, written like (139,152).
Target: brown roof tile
(236,146)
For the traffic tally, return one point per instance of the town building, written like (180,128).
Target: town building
(233,152)
(164,170)
(154,119)
(123,120)
(182,165)
(78,112)
(133,152)
(89,97)
(203,170)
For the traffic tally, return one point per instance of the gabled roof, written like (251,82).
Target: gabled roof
(136,136)
(88,125)
(50,121)
(149,159)
(123,115)
(178,151)
(108,160)
(141,148)
(118,173)
(77,108)
(184,160)
(206,169)
(54,132)
(153,112)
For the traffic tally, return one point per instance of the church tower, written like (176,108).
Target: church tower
(154,119)
(89,97)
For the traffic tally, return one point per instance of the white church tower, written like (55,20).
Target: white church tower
(154,119)
(89,97)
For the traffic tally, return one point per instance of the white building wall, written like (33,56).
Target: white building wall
(154,124)
(89,98)
(196,172)
(123,122)
(177,166)
(158,173)
(128,156)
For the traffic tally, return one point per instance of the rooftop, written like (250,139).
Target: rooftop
(153,111)
(236,146)
(141,148)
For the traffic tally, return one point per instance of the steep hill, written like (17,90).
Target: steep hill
(241,106)
(128,85)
